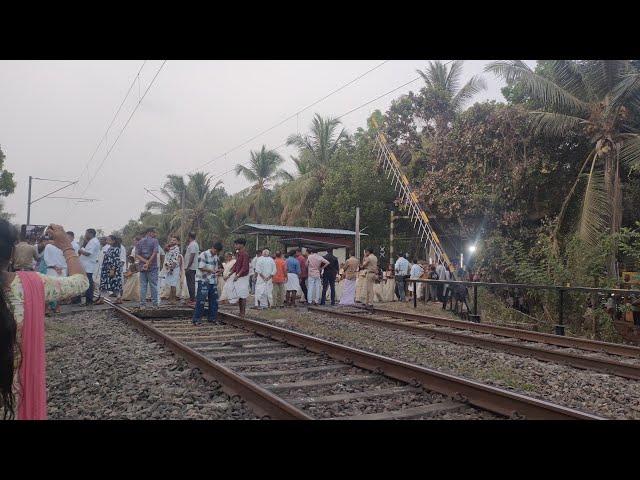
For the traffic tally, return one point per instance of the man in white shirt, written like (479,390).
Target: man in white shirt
(89,260)
(441,271)
(191,266)
(416,272)
(402,271)
(265,270)
(74,244)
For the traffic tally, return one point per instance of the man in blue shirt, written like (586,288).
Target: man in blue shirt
(401,272)
(146,253)
(293,279)
(207,286)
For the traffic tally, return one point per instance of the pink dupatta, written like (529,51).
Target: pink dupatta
(33,393)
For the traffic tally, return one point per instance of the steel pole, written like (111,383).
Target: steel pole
(29,201)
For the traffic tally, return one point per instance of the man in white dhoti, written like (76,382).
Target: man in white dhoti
(350,267)
(293,281)
(265,270)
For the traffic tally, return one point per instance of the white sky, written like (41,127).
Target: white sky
(54,113)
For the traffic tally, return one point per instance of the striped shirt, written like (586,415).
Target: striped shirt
(207,260)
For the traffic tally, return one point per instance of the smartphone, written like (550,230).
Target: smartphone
(34,233)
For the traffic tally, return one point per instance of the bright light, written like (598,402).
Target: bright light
(472,249)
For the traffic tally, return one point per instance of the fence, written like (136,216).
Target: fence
(561,291)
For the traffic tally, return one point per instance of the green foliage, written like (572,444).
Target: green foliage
(353,181)
(7,184)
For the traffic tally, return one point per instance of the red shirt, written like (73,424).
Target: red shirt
(241,267)
(304,272)
(281,271)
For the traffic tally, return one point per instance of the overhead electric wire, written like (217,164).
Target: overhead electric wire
(339,117)
(293,115)
(124,127)
(103,138)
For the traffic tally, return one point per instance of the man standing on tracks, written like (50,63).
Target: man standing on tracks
(304,274)
(146,255)
(192,254)
(89,260)
(265,270)
(240,276)
(315,264)
(206,277)
(279,281)
(350,276)
(402,272)
(329,277)
(441,271)
(370,264)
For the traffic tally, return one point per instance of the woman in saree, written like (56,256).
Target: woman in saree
(111,272)
(23,389)
(131,291)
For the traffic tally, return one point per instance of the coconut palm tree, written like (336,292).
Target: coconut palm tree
(262,172)
(442,98)
(316,150)
(600,98)
(187,206)
(318,147)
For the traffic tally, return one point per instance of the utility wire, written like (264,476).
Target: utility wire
(341,116)
(294,115)
(124,127)
(104,137)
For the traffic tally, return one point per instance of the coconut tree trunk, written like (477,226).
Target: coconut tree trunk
(614,194)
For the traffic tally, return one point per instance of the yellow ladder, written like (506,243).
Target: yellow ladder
(420,220)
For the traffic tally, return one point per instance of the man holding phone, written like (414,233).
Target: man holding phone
(146,255)
(89,259)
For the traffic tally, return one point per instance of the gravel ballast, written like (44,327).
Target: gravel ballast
(98,367)
(598,393)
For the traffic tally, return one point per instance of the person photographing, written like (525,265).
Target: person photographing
(23,392)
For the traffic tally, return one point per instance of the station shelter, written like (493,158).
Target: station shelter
(291,237)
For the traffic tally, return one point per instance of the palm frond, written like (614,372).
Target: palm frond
(626,93)
(630,152)
(539,88)
(475,85)
(555,124)
(284,176)
(452,82)
(595,207)
(603,75)
(569,76)
(246,173)
(568,197)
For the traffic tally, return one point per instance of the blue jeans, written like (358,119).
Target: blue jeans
(400,287)
(211,295)
(150,277)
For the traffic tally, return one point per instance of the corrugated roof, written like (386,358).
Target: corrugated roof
(286,229)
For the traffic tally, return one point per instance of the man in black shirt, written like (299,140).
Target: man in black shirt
(329,277)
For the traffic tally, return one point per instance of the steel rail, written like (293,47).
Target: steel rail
(486,397)
(561,341)
(262,401)
(600,365)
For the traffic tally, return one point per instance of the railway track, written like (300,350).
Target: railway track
(610,358)
(284,374)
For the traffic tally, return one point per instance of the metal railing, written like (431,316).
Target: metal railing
(559,289)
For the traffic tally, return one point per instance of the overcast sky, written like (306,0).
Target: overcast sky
(53,115)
